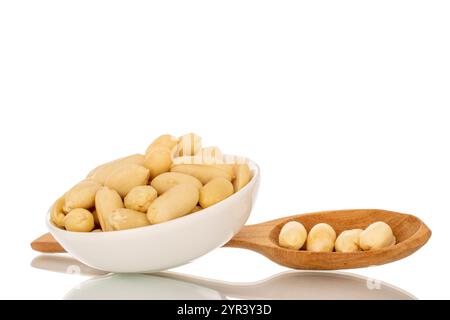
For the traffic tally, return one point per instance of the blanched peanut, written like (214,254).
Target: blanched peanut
(227,167)
(292,235)
(348,241)
(102,172)
(189,145)
(167,180)
(158,160)
(321,238)
(97,230)
(126,177)
(140,198)
(176,202)
(242,176)
(214,191)
(196,209)
(122,219)
(56,212)
(95,215)
(166,141)
(204,173)
(376,236)
(79,220)
(82,195)
(106,201)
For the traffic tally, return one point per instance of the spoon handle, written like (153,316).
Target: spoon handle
(254,237)
(47,244)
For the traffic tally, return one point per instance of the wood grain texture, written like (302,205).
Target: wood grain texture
(410,231)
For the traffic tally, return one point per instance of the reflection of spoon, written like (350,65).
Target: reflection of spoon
(168,285)
(410,231)
(306,285)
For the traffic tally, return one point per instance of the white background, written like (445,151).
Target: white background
(343,104)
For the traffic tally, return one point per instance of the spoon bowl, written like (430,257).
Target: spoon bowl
(411,234)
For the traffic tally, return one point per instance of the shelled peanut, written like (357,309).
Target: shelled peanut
(175,177)
(322,238)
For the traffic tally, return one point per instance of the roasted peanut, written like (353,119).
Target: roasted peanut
(321,238)
(82,195)
(139,198)
(79,220)
(106,201)
(102,172)
(348,241)
(204,173)
(214,191)
(122,219)
(158,160)
(376,236)
(56,212)
(167,180)
(292,235)
(126,177)
(242,176)
(176,202)
(189,145)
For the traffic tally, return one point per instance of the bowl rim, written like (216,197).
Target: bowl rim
(256,175)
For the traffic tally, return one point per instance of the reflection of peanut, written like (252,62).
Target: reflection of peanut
(214,191)
(140,198)
(292,235)
(174,203)
(376,236)
(79,220)
(348,241)
(82,195)
(321,238)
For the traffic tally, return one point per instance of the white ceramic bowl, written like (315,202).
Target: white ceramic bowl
(166,245)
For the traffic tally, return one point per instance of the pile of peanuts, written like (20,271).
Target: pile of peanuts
(175,177)
(322,238)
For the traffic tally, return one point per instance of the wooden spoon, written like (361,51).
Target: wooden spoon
(410,231)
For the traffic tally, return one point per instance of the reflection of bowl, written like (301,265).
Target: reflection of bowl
(140,287)
(164,245)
